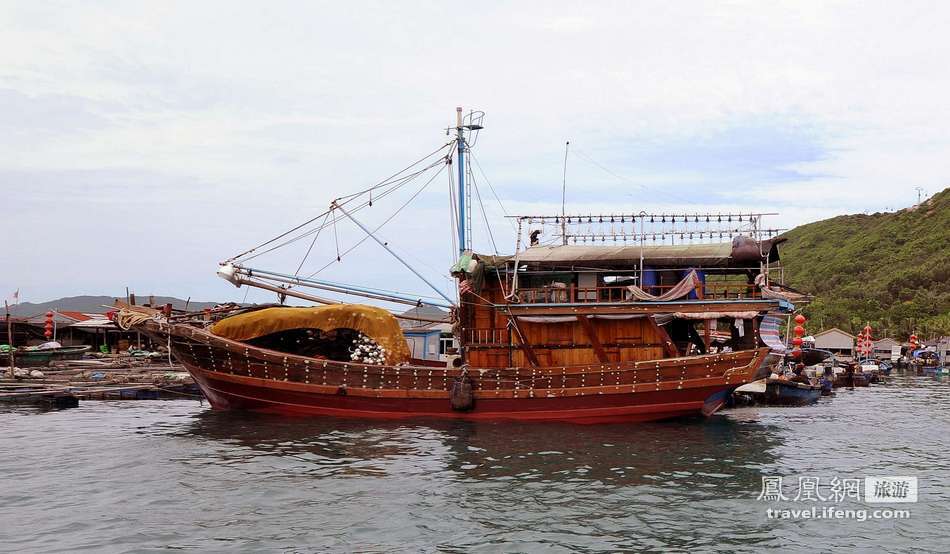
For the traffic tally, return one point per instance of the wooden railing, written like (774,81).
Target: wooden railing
(572,294)
(487,336)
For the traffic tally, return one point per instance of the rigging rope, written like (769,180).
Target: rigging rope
(590,160)
(395,186)
(478,195)
(380,226)
(348,198)
(514,226)
(314,241)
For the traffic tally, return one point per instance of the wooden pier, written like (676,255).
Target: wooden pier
(64,386)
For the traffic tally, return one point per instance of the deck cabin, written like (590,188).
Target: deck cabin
(568,305)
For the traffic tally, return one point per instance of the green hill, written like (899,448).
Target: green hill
(892,269)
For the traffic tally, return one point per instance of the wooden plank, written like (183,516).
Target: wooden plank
(638,308)
(592,336)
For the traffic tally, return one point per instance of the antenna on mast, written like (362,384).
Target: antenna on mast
(567,146)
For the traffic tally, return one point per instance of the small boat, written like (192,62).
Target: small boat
(862,379)
(925,362)
(42,355)
(780,392)
(871,370)
(850,376)
(790,393)
(886,367)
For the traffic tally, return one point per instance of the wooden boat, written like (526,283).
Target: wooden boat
(34,357)
(233,375)
(557,332)
(856,379)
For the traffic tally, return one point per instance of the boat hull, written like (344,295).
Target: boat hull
(42,358)
(237,376)
(227,392)
(786,393)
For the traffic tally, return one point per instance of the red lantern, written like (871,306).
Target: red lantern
(799,330)
(796,353)
(48,327)
(797,341)
(800,319)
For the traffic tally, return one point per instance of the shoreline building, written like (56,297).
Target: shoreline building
(838,342)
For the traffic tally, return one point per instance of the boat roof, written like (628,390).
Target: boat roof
(710,255)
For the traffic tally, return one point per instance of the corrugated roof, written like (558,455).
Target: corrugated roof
(428,312)
(78,316)
(63,318)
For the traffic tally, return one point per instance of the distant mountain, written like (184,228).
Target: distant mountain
(95,304)
(889,269)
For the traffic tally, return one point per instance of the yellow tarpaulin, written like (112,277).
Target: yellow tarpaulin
(376,323)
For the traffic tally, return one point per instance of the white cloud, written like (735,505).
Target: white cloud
(263,113)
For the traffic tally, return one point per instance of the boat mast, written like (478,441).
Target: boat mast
(460,143)
(474,124)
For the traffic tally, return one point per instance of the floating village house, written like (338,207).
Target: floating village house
(429,340)
(883,347)
(942,347)
(838,342)
(73,328)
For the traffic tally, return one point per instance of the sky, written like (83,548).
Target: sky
(141,143)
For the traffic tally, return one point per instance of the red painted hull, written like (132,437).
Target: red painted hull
(225,392)
(235,376)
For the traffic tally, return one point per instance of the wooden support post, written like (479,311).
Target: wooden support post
(6,307)
(525,347)
(592,336)
(707,332)
(668,345)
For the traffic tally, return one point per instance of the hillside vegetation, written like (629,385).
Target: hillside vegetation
(892,269)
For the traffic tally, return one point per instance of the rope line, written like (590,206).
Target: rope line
(349,198)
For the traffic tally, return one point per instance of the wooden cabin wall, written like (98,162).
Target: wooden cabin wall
(565,344)
(553,344)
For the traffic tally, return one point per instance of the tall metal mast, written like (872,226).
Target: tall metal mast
(460,143)
(474,124)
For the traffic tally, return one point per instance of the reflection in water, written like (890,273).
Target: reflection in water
(184,477)
(620,454)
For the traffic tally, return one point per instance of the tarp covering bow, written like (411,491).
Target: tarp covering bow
(376,323)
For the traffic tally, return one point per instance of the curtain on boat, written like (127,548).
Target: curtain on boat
(681,289)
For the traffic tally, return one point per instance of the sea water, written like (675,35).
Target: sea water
(158,476)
